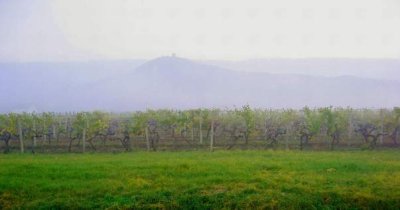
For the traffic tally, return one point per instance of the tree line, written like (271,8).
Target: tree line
(245,127)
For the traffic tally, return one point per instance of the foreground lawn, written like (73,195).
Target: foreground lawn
(202,180)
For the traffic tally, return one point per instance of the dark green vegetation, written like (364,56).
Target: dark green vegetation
(306,129)
(202,180)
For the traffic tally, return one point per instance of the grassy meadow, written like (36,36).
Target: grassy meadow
(202,180)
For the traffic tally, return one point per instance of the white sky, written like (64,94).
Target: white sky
(59,30)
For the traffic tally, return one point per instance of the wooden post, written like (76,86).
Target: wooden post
(397,133)
(192,133)
(146,132)
(54,132)
(287,137)
(34,134)
(173,137)
(84,140)
(60,124)
(381,126)
(212,136)
(45,132)
(201,130)
(84,135)
(185,130)
(21,139)
(66,124)
(349,130)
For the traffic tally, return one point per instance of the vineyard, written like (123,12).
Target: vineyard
(276,160)
(204,129)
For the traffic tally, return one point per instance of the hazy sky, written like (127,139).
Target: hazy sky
(59,30)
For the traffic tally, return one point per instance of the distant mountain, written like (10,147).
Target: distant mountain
(46,85)
(172,82)
(388,69)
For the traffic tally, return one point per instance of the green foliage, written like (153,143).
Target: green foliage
(9,123)
(79,123)
(390,119)
(47,119)
(288,116)
(249,118)
(182,119)
(138,122)
(335,120)
(248,115)
(313,121)
(232,119)
(396,113)
(97,123)
(311,125)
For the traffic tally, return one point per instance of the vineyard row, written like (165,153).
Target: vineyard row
(319,128)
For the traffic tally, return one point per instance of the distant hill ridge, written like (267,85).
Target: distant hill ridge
(174,82)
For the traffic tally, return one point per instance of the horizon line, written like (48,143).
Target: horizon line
(198,59)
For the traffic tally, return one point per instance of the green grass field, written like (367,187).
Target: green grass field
(202,180)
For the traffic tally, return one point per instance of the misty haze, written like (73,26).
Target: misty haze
(179,83)
(183,104)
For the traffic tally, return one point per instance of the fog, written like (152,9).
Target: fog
(60,30)
(132,55)
(179,83)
